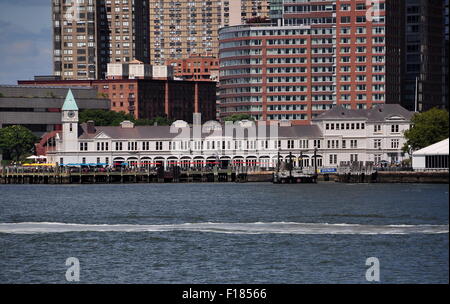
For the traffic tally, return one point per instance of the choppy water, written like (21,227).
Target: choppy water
(224,233)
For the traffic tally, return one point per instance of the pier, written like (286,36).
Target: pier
(119,176)
(57,175)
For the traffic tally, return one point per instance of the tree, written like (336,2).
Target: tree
(112,118)
(238,117)
(104,118)
(428,128)
(16,142)
(161,121)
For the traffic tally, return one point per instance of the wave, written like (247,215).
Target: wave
(231,228)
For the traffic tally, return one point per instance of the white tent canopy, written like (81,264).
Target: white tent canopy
(433,157)
(439,148)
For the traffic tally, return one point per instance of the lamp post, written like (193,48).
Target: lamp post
(300,161)
(290,167)
(315,162)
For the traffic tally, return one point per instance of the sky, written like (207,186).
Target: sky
(25,39)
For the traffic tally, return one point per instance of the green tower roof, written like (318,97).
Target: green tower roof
(69,103)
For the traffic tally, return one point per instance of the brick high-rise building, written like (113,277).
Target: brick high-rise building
(181,28)
(314,55)
(89,34)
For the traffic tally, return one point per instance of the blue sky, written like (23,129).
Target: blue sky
(25,35)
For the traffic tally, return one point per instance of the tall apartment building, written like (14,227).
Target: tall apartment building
(425,65)
(181,28)
(317,55)
(89,34)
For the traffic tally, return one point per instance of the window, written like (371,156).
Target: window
(290,144)
(377,143)
(395,128)
(395,143)
(360,6)
(333,159)
(436,161)
(345,19)
(377,158)
(159,145)
(353,157)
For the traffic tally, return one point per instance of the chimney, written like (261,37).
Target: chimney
(90,127)
(285,123)
(197,118)
(126,124)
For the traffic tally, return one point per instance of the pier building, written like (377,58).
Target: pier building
(336,136)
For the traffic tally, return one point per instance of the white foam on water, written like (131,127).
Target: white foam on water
(230,228)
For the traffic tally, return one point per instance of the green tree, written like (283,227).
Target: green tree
(16,142)
(427,128)
(103,117)
(159,120)
(112,118)
(239,117)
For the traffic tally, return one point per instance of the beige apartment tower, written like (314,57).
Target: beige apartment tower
(182,28)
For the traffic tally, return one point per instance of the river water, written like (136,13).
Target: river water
(224,233)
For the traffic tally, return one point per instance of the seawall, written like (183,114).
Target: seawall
(413,177)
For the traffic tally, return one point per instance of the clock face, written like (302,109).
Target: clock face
(71,114)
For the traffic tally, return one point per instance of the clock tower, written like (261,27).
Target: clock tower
(69,121)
